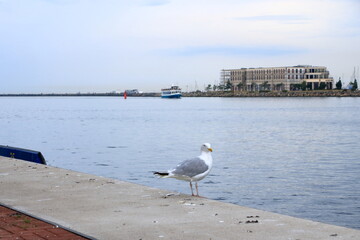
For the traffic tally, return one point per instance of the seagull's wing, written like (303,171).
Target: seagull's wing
(191,167)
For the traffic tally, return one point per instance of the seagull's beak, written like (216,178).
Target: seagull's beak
(210,149)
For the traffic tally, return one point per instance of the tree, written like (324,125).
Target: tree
(228,85)
(308,86)
(303,85)
(265,85)
(240,85)
(221,87)
(279,86)
(339,84)
(354,86)
(322,86)
(253,86)
(208,88)
(214,87)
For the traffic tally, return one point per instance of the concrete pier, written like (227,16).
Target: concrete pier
(110,209)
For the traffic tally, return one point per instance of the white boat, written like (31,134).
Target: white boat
(172,92)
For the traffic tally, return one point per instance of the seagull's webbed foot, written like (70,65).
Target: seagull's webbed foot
(197,190)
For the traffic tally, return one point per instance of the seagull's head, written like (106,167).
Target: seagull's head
(206,147)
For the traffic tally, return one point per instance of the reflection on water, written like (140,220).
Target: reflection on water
(295,156)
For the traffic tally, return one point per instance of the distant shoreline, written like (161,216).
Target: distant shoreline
(324,93)
(79,95)
(315,93)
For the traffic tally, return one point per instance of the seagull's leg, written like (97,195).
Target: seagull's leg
(192,193)
(197,190)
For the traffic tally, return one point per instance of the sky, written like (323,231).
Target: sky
(70,46)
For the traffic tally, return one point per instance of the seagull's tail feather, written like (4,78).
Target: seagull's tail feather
(161,174)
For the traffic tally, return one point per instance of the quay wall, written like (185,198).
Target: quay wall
(105,208)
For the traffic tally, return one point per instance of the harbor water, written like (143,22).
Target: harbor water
(294,156)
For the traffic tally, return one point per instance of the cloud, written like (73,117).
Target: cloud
(154,3)
(264,51)
(287,19)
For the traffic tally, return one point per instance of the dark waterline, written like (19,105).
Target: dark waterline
(295,156)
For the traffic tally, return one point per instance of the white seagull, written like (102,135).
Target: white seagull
(192,170)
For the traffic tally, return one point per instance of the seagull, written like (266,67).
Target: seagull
(192,170)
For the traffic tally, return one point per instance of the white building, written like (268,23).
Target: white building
(277,78)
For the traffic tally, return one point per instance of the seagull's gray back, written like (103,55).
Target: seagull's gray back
(191,167)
